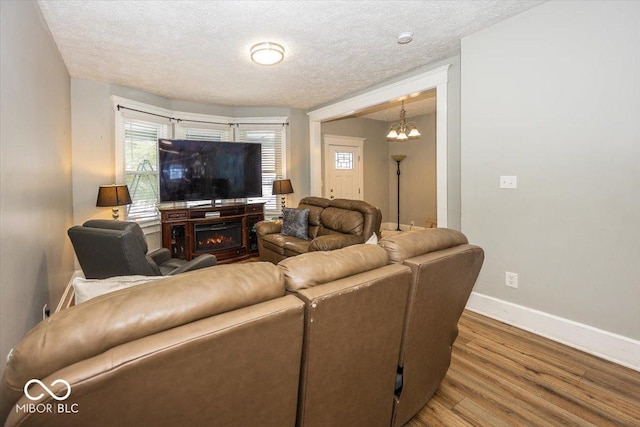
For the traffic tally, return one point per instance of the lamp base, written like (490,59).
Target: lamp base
(115,213)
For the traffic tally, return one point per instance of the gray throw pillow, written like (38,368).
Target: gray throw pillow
(295,223)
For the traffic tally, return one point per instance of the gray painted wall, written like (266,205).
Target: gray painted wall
(36,256)
(298,155)
(551,96)
(93,125)
(417,175)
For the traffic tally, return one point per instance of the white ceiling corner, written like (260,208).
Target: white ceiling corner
(199,50)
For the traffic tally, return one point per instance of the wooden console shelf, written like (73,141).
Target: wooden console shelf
(226,231)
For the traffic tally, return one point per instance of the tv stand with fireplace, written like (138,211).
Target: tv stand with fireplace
(226,231)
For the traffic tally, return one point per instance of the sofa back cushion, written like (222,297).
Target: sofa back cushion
(342,221)
(371,218)
(315,205)
(402,246)
(315,268)
(444,268)
(353,330)
(88,329)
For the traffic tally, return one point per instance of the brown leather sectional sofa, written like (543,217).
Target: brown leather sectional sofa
(359,336)
(333,224)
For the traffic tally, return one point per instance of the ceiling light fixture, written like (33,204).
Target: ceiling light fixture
(403,131)
(267,53)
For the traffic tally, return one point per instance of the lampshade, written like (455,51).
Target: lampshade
(113,195)
(267,53)
(403,131)
(282,186)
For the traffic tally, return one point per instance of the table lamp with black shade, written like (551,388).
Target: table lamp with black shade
(112,196)
(282,187)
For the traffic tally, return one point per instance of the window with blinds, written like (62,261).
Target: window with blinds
(208,133)
(140,155)
(141,166)
(273,163)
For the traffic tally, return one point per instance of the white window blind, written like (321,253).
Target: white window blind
(211,133)
(141,166)
(271,137)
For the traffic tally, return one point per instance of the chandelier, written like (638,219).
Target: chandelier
(403,131)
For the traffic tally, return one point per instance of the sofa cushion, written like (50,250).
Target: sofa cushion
(333,241)
(315,268)
(275,242)
(407,245)
(315,205)
(294,246)
(342,220)
(295,223)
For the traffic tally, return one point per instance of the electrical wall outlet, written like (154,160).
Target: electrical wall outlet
(510,182)
(511,279)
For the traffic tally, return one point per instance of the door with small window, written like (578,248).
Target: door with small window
(343,167)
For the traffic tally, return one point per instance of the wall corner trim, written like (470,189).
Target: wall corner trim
(606,345)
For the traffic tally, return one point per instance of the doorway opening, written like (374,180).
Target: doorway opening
(435,79)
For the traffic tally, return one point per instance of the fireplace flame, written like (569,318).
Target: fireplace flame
(212,242)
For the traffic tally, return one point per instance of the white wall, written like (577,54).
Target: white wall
(552,96)
(36,257)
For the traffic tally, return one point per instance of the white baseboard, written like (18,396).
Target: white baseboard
(615,348)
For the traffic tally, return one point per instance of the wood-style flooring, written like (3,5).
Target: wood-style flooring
(503,376)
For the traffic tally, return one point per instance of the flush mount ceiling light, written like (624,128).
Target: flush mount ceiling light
(267,53)
(403,131)
(406,37)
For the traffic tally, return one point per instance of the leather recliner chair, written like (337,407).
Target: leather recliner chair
(108,248)
(444,268)
(354,313)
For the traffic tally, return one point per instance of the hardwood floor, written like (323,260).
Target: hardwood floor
(503,376)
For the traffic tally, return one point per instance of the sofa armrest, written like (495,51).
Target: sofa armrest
(268,227)
(334,241)
(201,261)
(160,255)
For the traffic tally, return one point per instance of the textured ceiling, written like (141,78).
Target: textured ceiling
(199,50)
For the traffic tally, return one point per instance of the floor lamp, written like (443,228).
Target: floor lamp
(398,158)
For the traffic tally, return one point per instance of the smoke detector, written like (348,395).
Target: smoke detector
(404,38)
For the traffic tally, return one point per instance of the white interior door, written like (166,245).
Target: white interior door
(343,168)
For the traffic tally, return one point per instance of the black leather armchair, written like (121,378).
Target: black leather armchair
(107,248)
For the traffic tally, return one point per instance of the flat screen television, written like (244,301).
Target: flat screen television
(209,170)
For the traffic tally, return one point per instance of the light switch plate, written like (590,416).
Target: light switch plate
(510,182)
